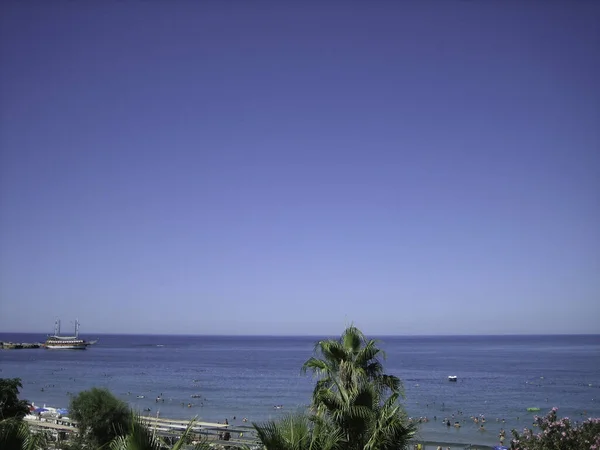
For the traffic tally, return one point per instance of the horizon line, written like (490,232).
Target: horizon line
(312,334)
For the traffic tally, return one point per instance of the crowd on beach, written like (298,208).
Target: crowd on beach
(458,419)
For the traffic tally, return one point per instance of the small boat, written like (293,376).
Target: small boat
(533,409)
(452,378)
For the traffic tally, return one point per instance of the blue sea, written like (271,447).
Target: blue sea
(498,377)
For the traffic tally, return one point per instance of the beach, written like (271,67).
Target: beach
(240,436)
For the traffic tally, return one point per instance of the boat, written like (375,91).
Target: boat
(533,409)
(452,378)
(57,341)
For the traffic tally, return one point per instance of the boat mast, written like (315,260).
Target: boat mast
(57,327)
(76,328)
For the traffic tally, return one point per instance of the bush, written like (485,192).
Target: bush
(100,416)
(559,434)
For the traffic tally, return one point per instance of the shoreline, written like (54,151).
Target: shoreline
(242,435)
(244,432)
(428,431)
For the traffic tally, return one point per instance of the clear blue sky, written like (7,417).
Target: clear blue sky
(287,167)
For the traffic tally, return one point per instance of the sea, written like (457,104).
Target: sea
(259,378)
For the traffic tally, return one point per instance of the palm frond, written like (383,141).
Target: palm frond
(16,434)
(391,382)
(330,399)
(366,354)
(138,437)
(35,441)
(374,369)
(141,437)
(333,351)
(352,339)
(365,397)
(390,402)
(185,438)
(317,366)
(292,432)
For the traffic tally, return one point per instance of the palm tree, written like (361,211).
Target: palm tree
(16,435)
(141,437)
(366,419)
(354,395)
(342,363)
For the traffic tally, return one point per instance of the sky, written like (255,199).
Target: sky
(414,168)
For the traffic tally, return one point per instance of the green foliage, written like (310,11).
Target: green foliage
(140,437)
(354,405)
(355,394)
(72,444)
(558,434)
(16,435)
(348,361)
(10,405)
(298,432)
(14,431)
(100,416)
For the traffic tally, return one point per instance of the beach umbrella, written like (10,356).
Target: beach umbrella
(500,447)
(40,410)
(62,411)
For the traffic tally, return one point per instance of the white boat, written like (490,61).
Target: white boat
(56,341)
(452,378)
